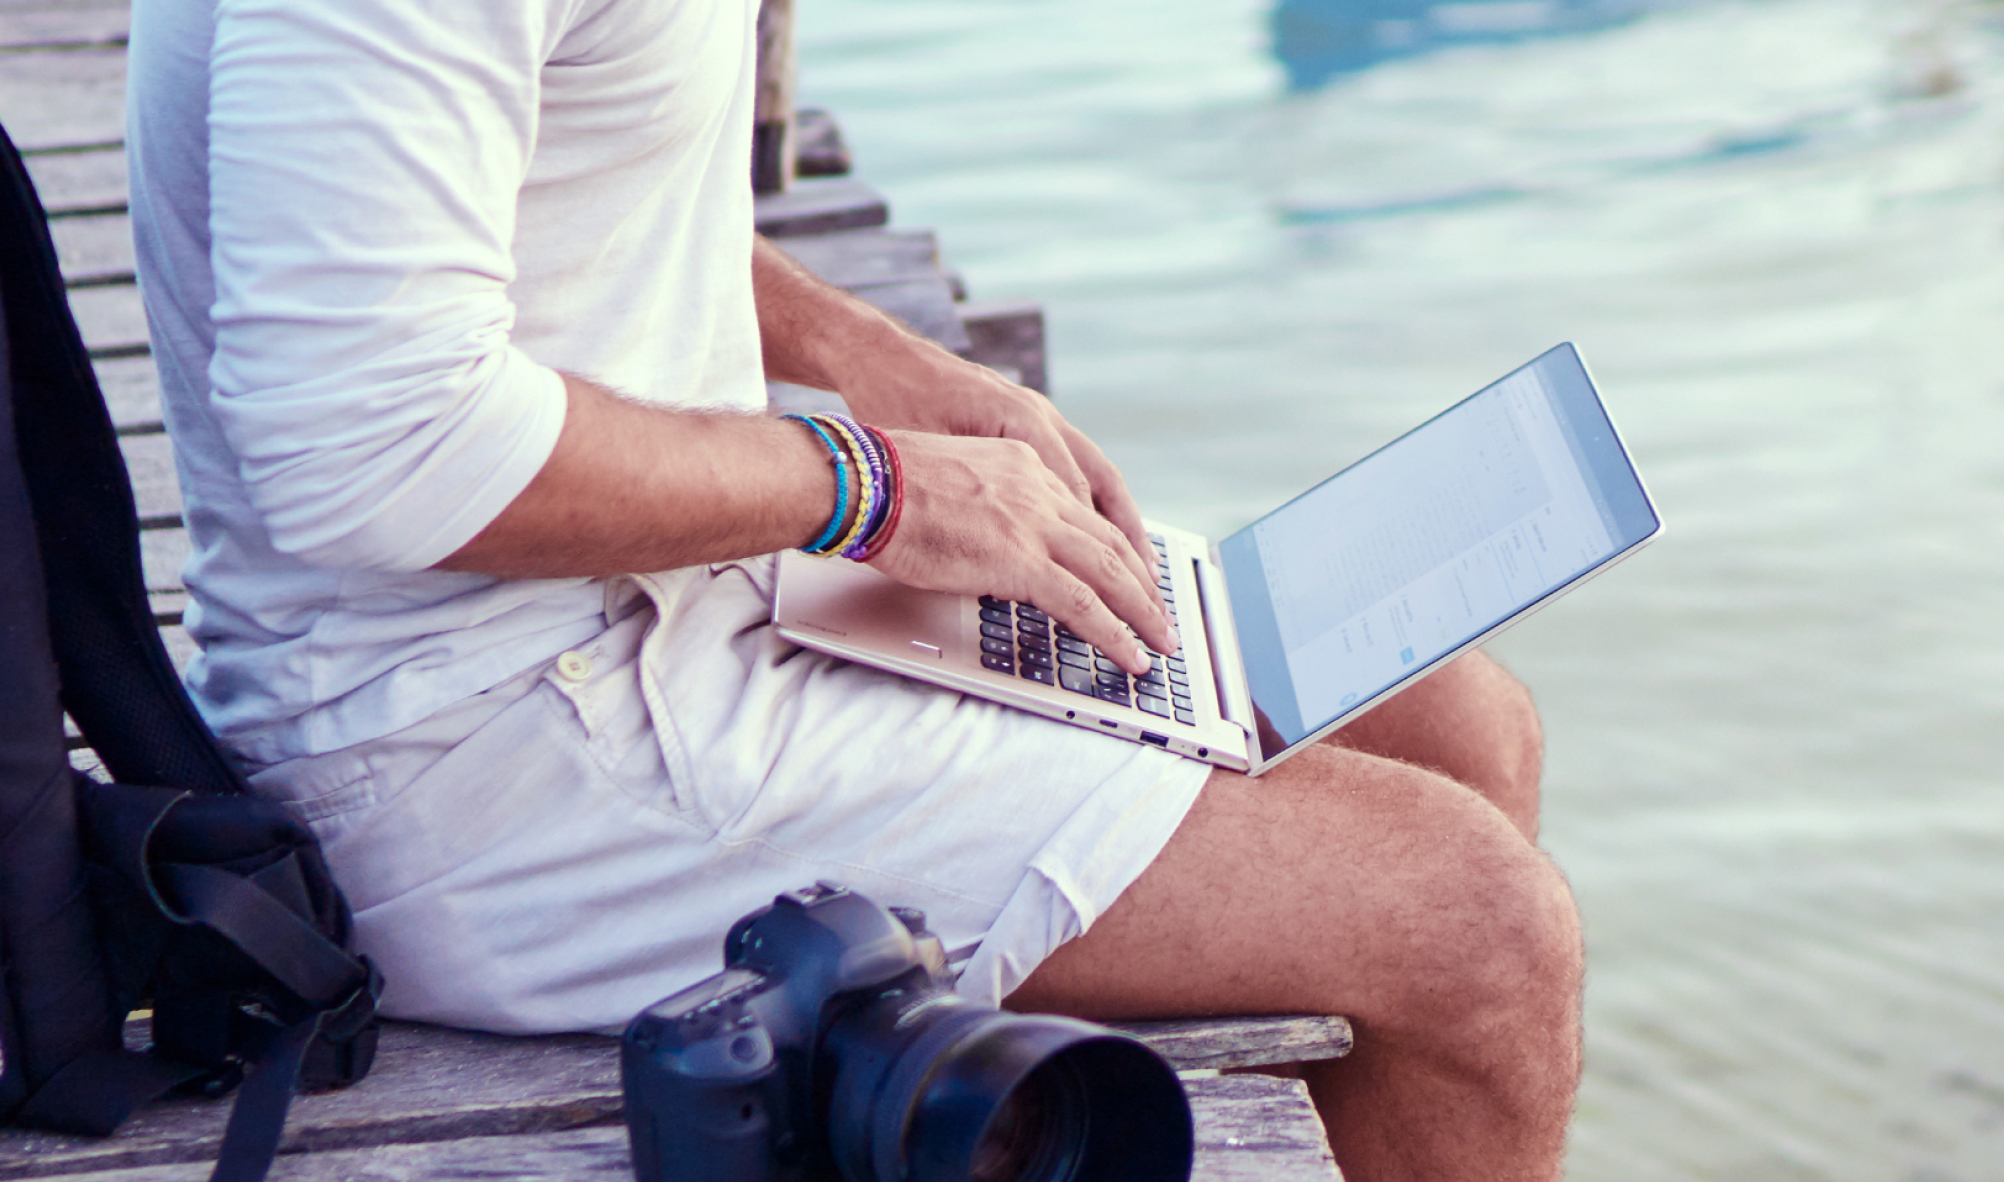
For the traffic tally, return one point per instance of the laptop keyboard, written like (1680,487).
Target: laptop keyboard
(1019,640)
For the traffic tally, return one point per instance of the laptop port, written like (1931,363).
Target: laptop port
(1152,737)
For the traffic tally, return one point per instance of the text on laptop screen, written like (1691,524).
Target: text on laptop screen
(1421,546)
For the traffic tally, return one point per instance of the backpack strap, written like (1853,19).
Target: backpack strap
(117,680)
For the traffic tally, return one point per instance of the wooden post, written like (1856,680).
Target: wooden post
(772,127)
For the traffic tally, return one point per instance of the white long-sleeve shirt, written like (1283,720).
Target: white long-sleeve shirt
(370,232)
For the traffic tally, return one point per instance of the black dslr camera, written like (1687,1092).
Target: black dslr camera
(830,1048)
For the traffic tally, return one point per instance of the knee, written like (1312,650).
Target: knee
(1503,964)
(1509,761)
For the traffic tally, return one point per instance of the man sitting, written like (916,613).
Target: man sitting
(463,333)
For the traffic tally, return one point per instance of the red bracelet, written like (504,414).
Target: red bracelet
(897,494)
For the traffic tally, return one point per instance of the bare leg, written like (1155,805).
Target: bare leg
(1471,722)
(1347,883)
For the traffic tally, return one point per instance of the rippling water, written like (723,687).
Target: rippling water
(1777,228)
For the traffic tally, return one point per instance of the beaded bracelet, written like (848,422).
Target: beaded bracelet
(820,545)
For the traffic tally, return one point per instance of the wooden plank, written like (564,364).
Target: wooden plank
(162,553)
(112,319)
(72,181)
(64,98)
(1248,1129)
(924,305)
(30,24)
(431,1083)
(180,646)
(818,146)
(818,205)
(1245,1042)
(1008,336)
(94,249)
(859,258)
(149,465)
(131,388)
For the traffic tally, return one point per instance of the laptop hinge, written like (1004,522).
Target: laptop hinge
(1227,671)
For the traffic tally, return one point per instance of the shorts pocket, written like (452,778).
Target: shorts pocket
(317,788)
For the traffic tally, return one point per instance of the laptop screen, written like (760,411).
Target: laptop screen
(1405,557)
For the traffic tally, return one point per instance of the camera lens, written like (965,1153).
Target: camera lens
(947,1091)
(1035,1132)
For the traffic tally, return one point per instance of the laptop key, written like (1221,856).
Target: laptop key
(1033,627)
(1184,701)
(1107,693)
(1150,690)
(1031,656)
(1076,680)
(1025,611)
(1039,674)
(1072,645)
(1104,665)
(1155,706)
(994,604)
(1075,661)
(998,632)
(1178,677)
(999,664)
(1187,718)
(1119,679)
(1035,642)
(1000,648)
(991,615)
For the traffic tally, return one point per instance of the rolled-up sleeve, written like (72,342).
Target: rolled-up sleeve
(365,161)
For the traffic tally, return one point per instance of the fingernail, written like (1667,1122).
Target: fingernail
(1175,642)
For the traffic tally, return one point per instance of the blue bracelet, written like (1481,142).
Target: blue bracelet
(819,545)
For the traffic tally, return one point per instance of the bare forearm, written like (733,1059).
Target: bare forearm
(815,334)
(639,488)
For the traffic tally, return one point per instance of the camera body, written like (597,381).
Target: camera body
(831,1047)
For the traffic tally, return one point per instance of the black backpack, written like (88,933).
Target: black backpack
(171,886)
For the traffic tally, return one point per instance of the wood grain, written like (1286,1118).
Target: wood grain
(93,248)
(1248,1129)
(858,258)
(110,318)
(71,181)
(131,388)
(162,552)
(1245,1042)
(149,465)
(818,205)
(432,1083)
(1008,336)
(41,23)
(818,146)
(56,99)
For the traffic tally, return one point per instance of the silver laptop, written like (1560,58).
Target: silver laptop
(1311,615)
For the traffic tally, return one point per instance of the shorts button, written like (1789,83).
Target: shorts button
(573,666)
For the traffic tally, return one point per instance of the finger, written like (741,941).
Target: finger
(1153,622)
(1110,494)
(1068,599)
(1100,566)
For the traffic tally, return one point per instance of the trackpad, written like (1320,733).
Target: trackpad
(851,601)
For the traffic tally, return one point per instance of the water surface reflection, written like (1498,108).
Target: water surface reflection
(1777,229)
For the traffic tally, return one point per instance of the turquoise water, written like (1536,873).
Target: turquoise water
(1776,228)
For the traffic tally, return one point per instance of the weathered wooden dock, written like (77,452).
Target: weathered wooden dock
(451,1104)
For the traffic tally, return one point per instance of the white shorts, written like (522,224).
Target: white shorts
(571,846)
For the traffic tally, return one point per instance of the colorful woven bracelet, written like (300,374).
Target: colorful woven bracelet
(897,498)
(872,518)
(870,485)
(820,545)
